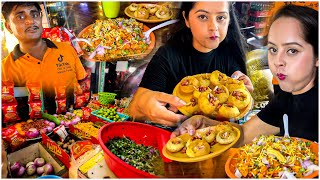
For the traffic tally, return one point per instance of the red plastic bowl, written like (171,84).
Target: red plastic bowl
(140,133)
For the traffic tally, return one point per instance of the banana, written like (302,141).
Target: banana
(278,155)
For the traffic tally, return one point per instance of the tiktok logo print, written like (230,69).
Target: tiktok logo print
(63,67)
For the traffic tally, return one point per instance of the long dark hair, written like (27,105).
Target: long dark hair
(233,42)
(308,19)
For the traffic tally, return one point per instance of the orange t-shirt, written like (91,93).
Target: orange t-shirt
(60,64)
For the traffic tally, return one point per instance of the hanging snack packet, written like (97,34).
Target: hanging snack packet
(34,89)
(86,113)
(60,90)
(7,92)
(61,106)
(9,111)
(87,96)
(80,101)
(77,89)
(35,109)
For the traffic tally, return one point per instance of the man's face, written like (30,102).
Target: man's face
(25,22)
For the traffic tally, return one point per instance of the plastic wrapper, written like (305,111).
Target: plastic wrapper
(12,137)
(86,113)
(61,34)
(34,91)
(60,90)
(9,111)
(80,101)
(35,109)
(7,92)
(61,106)
(81,152)
(61,132)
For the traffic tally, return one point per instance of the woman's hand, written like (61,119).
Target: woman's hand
(151,105)
(246,80)
(193,123)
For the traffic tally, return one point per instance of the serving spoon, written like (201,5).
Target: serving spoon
(286,128)
(147,33)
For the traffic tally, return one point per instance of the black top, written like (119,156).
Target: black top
(177,59)
(302,111)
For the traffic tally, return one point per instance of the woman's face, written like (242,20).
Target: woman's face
(208,22)
(290,57)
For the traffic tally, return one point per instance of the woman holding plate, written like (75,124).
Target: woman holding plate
(293,60)
(210,40)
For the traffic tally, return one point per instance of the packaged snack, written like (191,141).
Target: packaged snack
(34,89)
(7,92)
(35,109)
(87,96)
(86,113)
(60,90)
(61,132)
(77,89)
(12,137)
(61,106)
(9,111)
(80,101)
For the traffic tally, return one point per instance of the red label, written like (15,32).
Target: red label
(56,150)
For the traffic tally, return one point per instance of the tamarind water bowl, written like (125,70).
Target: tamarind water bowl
(139,133)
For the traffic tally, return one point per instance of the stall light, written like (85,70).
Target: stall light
(83,4)
(132,69)
(11,40)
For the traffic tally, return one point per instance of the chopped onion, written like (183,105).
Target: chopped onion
(306,164)
(46,122)
(237,173)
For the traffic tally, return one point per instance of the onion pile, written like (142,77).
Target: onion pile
(38,166)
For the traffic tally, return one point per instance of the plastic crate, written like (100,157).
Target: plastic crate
(106,98)
(126,117)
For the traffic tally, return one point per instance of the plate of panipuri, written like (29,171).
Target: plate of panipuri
(205,144)
(214,95)
(149,13)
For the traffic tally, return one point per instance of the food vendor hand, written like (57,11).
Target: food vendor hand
(246,80)
(193,123)
(151,105)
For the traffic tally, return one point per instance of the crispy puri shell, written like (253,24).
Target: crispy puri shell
(240,98)
(226,137)
(208,103)
(218,78)
(175,144)
(133,7)
(228,111)
(233,84)
(221,92)
(141,13)
(198,147)
(188,84)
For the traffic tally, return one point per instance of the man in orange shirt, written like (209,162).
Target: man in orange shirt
(38,60)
